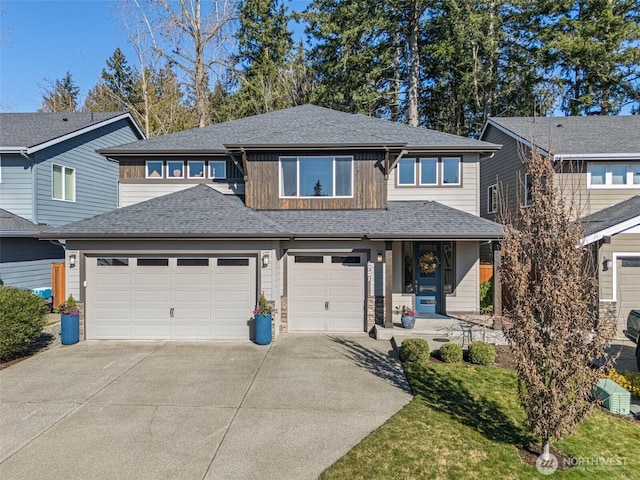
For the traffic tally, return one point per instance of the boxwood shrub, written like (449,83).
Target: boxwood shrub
(22,316)
(482,353)
(414,350)
(451,353)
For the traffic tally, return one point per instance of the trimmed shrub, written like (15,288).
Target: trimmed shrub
(482,353)
(22,317)
(451,353)
(415,350)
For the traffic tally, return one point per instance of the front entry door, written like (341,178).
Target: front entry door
(428,280)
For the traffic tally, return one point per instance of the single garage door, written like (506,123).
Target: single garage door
(170,297)
(628,288)
(326,293)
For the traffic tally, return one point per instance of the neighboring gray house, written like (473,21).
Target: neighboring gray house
(329,214)
(598,165)
(51,174)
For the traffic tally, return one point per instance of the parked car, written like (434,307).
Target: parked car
(633,331)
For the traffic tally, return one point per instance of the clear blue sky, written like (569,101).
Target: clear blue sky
(43,39)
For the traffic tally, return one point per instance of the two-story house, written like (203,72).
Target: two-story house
(51,174)
(597,162)
(336,217)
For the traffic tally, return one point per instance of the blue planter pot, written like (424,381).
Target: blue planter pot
(69,329)
(408,321)
(263,329)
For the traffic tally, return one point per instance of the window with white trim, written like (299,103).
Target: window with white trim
(316,177)
(154,169)
(195,169)
(63,183)
(429,171)
(492,199)
(175,169)
(451,171)
(407,171)
(528,190)
(218,170)
(613,175)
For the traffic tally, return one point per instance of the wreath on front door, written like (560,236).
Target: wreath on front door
(429,262)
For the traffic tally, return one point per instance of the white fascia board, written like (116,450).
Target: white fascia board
(18,150)
(90,128)
(614,230)
(596,156)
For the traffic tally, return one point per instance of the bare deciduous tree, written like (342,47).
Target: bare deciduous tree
(187,37)
(556,336)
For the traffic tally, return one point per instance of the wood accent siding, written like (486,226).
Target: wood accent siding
(136,169)
(262,191)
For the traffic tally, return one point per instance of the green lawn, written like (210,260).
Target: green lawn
(465,422)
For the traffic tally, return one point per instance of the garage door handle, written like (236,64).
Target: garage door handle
(326,305)
(171,312)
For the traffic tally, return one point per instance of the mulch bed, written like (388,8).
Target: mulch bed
(530,453)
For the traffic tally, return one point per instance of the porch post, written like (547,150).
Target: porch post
(388,284)
(497,279)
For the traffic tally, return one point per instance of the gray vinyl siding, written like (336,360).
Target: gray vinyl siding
(21,249)
(624,242)
(16,185)
(504,169)
(96,178)
(32,274)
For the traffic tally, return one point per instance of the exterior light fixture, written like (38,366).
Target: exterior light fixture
(606,265)
(72,260)
(265,260)
(380,257)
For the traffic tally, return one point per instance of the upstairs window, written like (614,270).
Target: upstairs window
(451,171)
(195,169)
(429,171)
(64,183)
(407,171)
(316,177)
(613,175)
(218,170)
(175,169)
(155,169)
(492,199)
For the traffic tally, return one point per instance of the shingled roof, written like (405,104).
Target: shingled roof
(304,125)
(202,212)
(12,225)
(29,130)
(576,135)
(611,220)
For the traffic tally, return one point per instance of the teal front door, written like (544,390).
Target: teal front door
(428,278)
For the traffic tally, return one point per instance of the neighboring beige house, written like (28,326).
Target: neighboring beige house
(328,213)
(598,164)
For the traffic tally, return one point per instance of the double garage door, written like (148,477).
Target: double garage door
(326,293)
(170,297)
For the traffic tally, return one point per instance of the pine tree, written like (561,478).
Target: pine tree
(117,89)
(60,96)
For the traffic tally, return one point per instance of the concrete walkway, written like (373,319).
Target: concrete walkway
(209,410)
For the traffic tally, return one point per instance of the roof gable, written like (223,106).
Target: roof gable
(34,131)
(611,220)
(303,125)
(594,135)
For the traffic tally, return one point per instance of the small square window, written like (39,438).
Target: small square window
(428,171)
(597,174)
(175,169)
(407,171)
(218,170)
(451,171)
(154,169)
(195,169)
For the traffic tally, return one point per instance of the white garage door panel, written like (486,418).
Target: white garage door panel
(326,296)
(628,287)
(177,300)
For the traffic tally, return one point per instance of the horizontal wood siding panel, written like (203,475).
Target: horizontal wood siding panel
(34,274)
(263,184)
(467,293)
(16,185)
(27,249)
(624,242)
(96,176)
(136,169)
(463,197)
(130,193)
(505,169)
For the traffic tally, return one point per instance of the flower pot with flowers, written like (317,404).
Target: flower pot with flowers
(69,321)
(407,316)
(263,315)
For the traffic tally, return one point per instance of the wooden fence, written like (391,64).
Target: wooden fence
(486,272)
(58,283)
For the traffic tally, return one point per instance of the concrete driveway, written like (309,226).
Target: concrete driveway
(209,410)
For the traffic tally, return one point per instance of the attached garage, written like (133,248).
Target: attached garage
(326,292)
(169,297)
(628,286)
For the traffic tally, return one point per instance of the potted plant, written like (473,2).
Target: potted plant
(263,315)
(407,316)
(69,321)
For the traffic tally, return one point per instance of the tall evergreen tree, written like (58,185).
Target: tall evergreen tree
(264,46)
(60,96)
(117,89)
